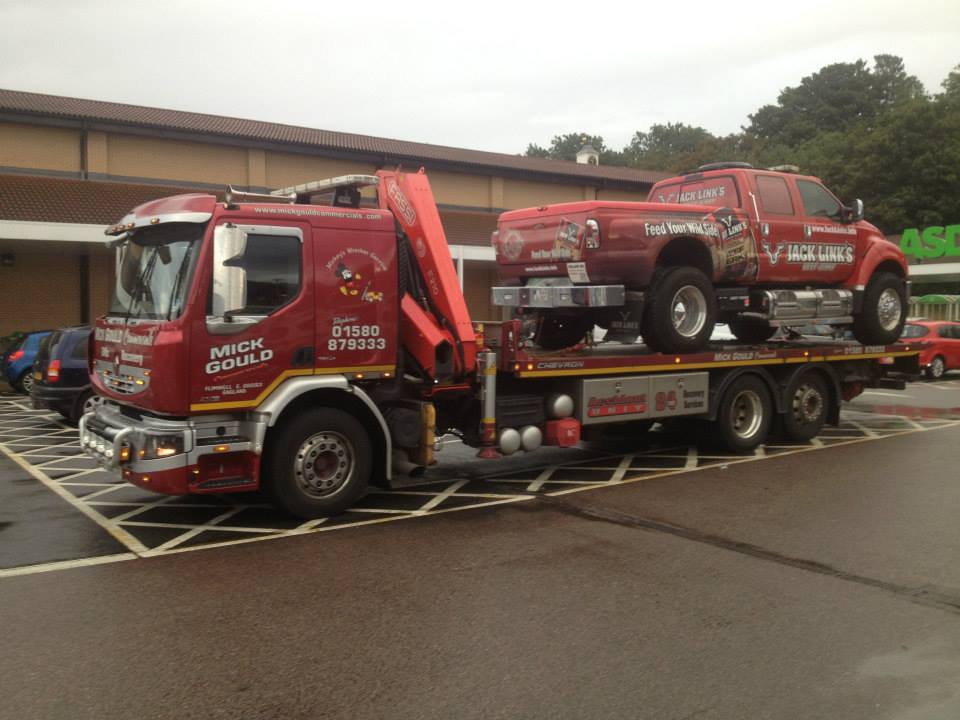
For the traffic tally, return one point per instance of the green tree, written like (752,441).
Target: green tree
(566,147)
(673,147)
(836,97)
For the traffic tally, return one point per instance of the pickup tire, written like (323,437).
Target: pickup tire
(318,463)
(751,331)
(680,311)
(556,331)
(884,310)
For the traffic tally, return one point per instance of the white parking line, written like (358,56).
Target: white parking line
(65,565)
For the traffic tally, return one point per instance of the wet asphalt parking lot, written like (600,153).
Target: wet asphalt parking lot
(655,579)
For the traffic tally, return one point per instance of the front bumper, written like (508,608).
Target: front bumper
(214,453)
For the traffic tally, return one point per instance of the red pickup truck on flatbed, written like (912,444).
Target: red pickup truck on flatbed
(749,247)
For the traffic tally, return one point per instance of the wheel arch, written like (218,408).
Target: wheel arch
(337,392)
(686,251)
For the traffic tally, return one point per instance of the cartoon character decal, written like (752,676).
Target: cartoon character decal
(350,284)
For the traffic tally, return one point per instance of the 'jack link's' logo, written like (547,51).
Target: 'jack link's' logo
(772,253)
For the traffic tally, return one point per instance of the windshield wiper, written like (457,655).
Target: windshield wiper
(137,292)
(178,280)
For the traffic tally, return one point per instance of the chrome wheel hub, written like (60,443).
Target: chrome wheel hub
(936,367)
(324,463)
(688,311)
(807,404)
(746,414)
(889,309)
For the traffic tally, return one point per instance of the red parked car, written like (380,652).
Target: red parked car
(939,342)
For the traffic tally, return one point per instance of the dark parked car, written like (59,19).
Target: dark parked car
(61,380)
(18,365)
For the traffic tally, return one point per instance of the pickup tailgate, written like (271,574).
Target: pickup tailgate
(554,234)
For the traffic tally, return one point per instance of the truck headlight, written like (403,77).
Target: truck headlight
(160,446)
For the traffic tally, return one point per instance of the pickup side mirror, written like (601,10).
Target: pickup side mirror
(852,214)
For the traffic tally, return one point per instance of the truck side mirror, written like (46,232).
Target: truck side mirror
(229,289)
(852,214)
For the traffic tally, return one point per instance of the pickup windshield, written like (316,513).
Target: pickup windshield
(153,271)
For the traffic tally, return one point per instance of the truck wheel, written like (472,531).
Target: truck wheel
(744,415)
(807,404)
(936,368)
(555,332)
(751,331)
(680,312)
(319,465)
(883,314)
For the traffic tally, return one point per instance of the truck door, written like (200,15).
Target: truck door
(781,232)
(835,244)
(258,328)
(356,300)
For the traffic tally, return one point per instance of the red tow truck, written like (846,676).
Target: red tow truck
(273,342)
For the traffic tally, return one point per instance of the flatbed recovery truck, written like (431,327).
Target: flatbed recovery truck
(268,342)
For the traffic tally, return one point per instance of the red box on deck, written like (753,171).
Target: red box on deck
(563,433)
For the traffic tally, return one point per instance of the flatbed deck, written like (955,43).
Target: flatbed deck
(612,358)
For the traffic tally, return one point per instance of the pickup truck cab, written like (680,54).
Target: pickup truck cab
(753,248)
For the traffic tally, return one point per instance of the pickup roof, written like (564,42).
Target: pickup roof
(728,243)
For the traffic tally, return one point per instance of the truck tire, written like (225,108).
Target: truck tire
(318,464)
(680,311)
(749,331)
(936,368)
(884,310)
(808,403)
(745,413)
(558,331)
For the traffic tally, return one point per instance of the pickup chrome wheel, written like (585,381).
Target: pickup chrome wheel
(689,311)
(317,463)
(744,413)
(882,314)
(680,310)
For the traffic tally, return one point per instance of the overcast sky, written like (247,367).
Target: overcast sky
(488,75)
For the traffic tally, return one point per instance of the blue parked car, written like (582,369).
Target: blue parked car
(18,365)
(61,380)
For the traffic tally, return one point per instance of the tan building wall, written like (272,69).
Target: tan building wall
(478,278)
(101,283)
(40,291)
(134,156)
(39,147)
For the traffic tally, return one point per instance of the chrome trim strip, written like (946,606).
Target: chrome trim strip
(554,296)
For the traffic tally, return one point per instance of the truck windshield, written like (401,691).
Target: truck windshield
(153,271)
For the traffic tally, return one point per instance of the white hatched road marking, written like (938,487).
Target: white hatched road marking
(23,429)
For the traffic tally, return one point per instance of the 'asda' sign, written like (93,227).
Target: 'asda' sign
(932,242)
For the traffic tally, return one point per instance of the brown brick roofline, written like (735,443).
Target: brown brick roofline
(87,202)
(35,104)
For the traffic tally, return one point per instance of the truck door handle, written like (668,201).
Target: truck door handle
(303,357)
